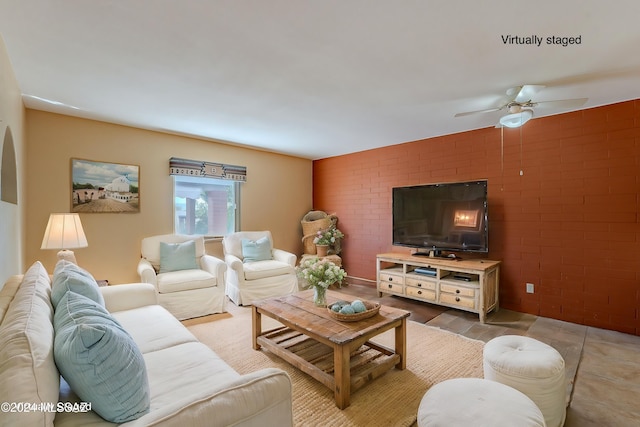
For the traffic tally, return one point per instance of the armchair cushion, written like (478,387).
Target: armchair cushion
(177,256)
(184,280)
(268,268)
(151,246)
(256,250)
(232,243)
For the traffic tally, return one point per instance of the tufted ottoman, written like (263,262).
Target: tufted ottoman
(534,368)
(479,403)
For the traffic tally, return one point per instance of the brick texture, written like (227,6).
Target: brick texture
(569,223)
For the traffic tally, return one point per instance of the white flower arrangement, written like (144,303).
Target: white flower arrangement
(320,273)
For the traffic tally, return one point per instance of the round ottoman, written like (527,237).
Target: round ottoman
(534,368)
(479,403)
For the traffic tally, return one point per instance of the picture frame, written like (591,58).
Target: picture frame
(104,187)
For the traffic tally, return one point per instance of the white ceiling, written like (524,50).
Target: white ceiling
(314,78)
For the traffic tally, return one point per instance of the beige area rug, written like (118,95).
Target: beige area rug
(433,356)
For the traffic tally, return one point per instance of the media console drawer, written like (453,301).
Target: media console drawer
(395,288)
(392,278)
(424,294)
(420,283)
(458,290)
(452,299)
(470,285)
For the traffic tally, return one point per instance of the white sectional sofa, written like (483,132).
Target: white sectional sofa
(188,384)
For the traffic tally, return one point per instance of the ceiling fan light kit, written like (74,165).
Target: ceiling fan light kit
(516,119)
(520,105)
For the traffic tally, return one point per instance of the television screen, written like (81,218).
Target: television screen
(450,216)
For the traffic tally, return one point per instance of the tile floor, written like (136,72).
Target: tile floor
(603,367)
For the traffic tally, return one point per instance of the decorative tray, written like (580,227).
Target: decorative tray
(372,309)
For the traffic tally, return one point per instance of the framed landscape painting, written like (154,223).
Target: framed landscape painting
(101,187)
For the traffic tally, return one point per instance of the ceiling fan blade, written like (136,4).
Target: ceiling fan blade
(527,92)
(468,113)
(562,103)
(520,97)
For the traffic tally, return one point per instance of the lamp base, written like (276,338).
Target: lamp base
(67,255)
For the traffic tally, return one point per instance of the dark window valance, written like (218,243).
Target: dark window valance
(185,167)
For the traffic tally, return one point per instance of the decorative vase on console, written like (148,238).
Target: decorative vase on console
(320,274)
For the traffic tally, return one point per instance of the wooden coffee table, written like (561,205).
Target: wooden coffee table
(338,354)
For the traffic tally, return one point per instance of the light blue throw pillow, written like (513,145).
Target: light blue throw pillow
(178,256)
(67,276)
(256,250)
(99,359)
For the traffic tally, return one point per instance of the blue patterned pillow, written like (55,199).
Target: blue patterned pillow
(178,256)
(67,276)
(99,359)
(256,250)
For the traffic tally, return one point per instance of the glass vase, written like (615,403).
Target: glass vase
(320,296)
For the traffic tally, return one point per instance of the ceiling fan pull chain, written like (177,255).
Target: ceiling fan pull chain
(502,159)
(521,171)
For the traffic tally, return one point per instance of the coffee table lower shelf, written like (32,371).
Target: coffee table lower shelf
(366,363)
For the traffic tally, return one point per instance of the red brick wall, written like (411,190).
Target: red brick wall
(569,224)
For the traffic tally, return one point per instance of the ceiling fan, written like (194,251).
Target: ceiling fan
(519,103)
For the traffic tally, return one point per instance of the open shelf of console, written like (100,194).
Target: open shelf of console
(470,285)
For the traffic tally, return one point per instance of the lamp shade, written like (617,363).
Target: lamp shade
(64,231)
(516,119)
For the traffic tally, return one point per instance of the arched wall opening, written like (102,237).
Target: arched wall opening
(8,170)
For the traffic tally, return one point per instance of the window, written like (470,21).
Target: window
(205,206)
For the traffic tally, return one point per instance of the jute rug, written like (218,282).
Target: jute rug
(433,356)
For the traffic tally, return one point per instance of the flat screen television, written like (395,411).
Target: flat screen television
(441,217)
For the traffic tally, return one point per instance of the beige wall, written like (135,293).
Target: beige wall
(12,116)
(277,194)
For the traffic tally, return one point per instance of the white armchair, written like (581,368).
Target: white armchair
(189,283)
(251,278)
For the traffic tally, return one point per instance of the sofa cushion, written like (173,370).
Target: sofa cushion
(256,250)
(184,280)
(100,360)
(7,292)
(177,256)
(67,276)
(163,332)
(27,369)
(262,269)
(186,373)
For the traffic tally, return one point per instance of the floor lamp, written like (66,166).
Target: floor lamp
(64,231)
